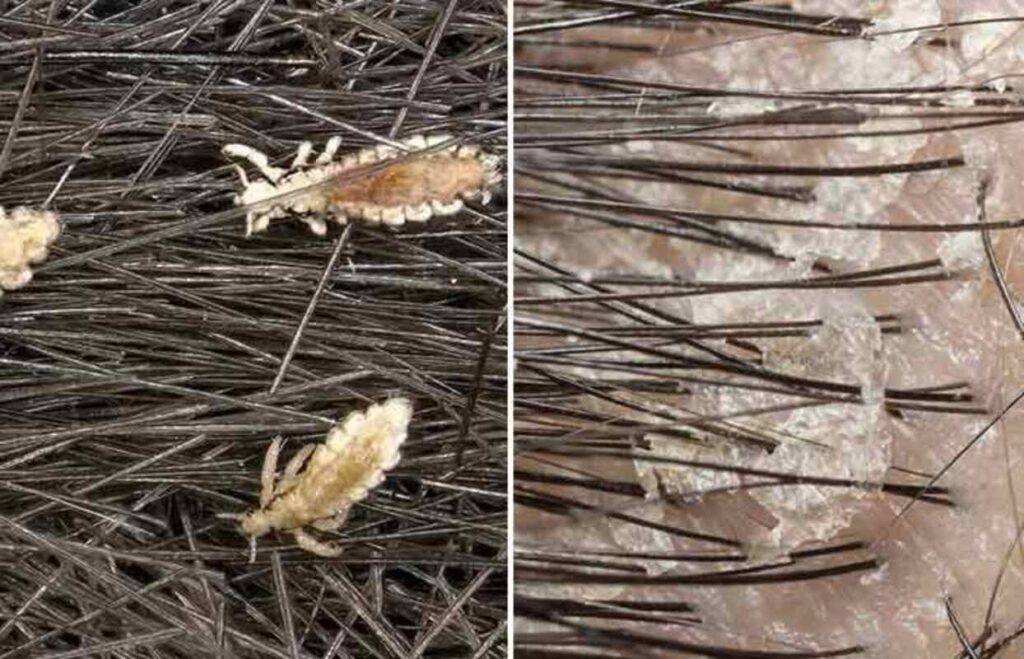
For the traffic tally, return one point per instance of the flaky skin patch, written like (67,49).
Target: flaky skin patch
(363,186)
(335,475)
(25,237)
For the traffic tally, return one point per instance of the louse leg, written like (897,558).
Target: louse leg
(330,150)
(332,523)
(298,460)
(314,546)
(257,158)
(260,224)
(269,470)
(291,470)
(315,224)
(242,175)
(252,549)
(302,155)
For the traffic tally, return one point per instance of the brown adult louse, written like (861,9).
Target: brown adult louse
(400,185)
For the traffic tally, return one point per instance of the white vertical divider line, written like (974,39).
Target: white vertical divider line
(510,320)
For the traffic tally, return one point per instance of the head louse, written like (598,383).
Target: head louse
(365,185)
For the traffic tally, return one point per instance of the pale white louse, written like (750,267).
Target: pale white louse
(322,481)
(25,237)
(414,188)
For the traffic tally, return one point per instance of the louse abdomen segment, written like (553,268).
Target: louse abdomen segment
(415,187)
(415,181)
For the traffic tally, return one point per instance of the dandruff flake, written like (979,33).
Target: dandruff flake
(412,188)
(322,481)
(25,237)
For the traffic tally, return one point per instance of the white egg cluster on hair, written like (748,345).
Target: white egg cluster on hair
(414,188)
(25,236)
(322,481)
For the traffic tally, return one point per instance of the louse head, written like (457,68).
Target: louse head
(255,523)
